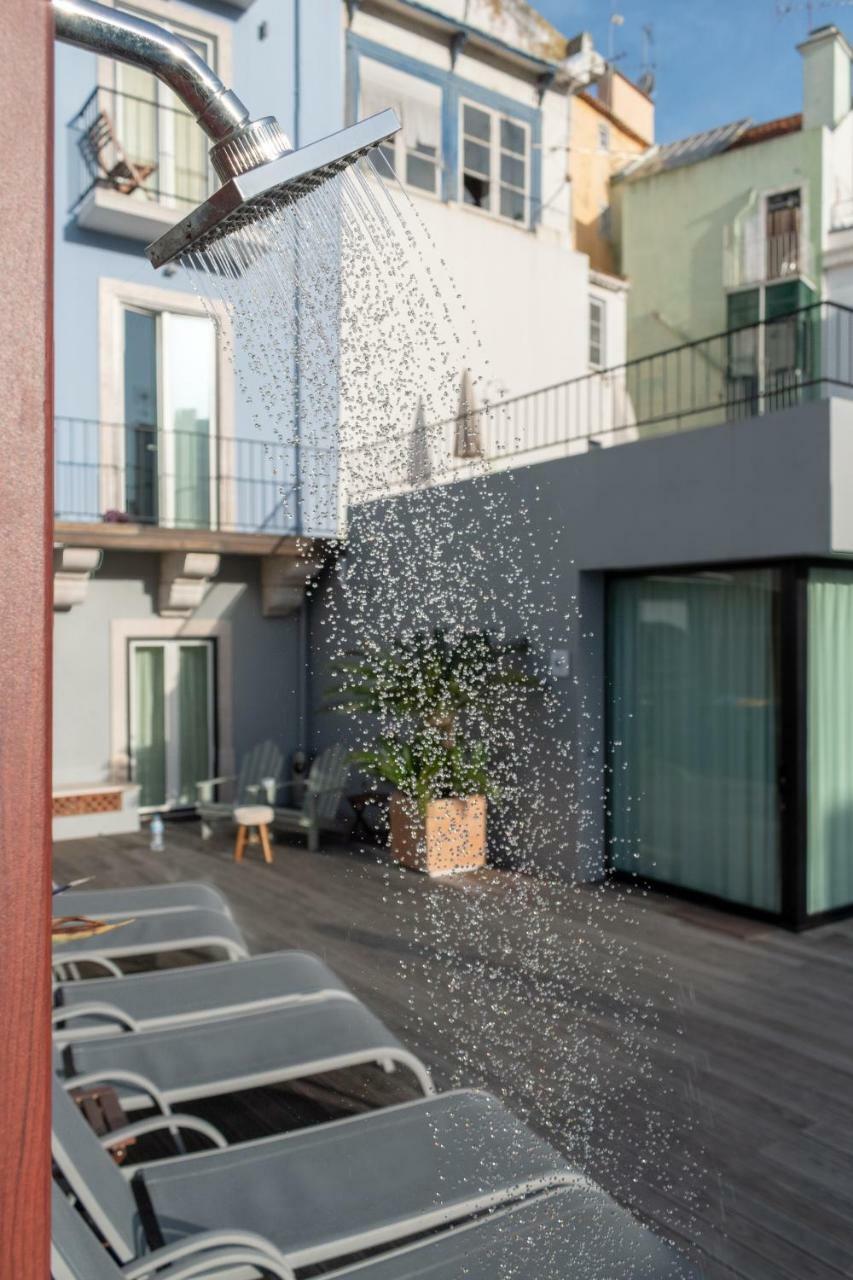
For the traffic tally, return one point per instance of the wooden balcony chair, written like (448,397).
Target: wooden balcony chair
(321,797)
(109,164)
(256,784)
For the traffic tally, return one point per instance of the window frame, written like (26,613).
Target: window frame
(171,647)
(596,301)
(115,296)
(397,144)
(496,151)
(216,35)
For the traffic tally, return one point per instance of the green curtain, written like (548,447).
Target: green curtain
(149,723)
(192,470)
(193,684)
(830,739)
(693,724)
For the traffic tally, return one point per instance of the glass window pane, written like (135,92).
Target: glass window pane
(512,171)
(513,204)
(477,158)
(476,191)
(513,137)
(140,414)
(149,724)
(477,124)
(420,172)
(194,708)
(830,739)
(189,363)
(694,721)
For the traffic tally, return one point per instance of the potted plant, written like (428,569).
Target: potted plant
(435,698)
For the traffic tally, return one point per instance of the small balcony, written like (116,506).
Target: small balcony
(135,165)
(125,477)
(753,256)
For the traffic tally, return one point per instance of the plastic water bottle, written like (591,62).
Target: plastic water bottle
(156,834)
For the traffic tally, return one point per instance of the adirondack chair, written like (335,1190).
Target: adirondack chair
(257,783)
(322,792)
(107,161)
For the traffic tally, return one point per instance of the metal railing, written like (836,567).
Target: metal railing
(136,473)
(754,256)
(737,374)
(139,148)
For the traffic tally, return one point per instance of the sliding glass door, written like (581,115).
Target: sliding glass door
(693,688)
(171,719)
(170,418)
(829,881)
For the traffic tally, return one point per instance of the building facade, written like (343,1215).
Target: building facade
(485,93)
(179,566)
(745,222)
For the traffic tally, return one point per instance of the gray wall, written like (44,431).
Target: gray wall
(265,673)
(529,550)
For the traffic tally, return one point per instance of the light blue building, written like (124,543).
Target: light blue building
(179,578)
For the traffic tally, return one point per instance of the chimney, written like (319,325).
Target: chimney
(826,78)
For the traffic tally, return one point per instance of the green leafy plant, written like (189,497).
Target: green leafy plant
(435,697)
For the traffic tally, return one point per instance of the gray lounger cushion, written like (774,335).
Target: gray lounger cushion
(244,1051)
(324,1192)
(165,931)
(561,1235)
(139,900)
(195,993)
(320,1193)
(575,1234)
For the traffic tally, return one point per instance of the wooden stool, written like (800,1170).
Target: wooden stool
(252,818)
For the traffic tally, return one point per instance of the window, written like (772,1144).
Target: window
(783,234)
(603,136)
(169,417)
(694,702)
(171,719)
(154,128)
(597,348)
(414,154)
(495,163)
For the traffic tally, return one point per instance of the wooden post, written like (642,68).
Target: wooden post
(26,516)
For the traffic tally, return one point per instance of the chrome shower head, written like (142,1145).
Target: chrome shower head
(270,183)
(252,158)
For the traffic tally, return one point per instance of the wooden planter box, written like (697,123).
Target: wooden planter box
(452,838)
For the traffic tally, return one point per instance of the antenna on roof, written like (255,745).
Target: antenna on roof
(616,20)
(784,7)
(646,81)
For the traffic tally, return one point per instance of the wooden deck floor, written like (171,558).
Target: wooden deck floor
(698,1066)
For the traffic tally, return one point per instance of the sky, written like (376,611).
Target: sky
(716,60)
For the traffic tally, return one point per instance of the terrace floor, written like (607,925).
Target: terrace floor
(697,1065)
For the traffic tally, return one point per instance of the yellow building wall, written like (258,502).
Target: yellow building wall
(590,168)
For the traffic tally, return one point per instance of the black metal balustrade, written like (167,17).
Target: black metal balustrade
(136,473)
(739,373)
(143,149)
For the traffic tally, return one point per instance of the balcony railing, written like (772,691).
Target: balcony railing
(128,473)
(142,150)
(738,374)
(752,256)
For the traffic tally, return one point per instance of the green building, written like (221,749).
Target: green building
(740,225)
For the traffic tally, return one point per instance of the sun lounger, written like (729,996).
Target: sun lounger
(230,1055)
(193,993)
(562,1235)
(322,1193)
(141,900)
(153,935)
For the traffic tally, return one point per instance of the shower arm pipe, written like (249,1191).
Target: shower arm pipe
(102,29)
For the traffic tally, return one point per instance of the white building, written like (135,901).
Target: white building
(483,94)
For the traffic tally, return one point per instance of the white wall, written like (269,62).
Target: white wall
(525,290)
